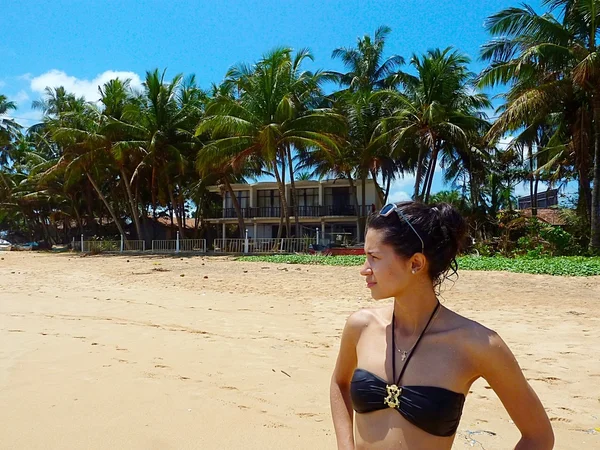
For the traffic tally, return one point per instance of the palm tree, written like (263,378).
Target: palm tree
(368,72)
(269,117)
(435,114)
(8,127)
(553,66)
(158,125)
(115,95)
(79,132)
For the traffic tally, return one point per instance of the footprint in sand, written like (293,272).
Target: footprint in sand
(161,366)
(229,388)
(566,409)
(559,419)
(301,414)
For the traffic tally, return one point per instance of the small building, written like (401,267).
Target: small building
(327,205)
(544,199)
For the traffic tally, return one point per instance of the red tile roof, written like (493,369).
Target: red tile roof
(550,215)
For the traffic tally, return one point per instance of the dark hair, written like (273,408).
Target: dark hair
(441,227)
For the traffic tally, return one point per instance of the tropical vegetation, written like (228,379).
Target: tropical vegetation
(116,166)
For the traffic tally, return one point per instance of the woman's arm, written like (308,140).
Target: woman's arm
(341,404)
(501,370)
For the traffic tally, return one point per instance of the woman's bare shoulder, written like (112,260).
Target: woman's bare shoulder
(365,317)
(472,335)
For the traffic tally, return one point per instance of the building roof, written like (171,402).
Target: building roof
(552,216)
(298,183)
(189,222)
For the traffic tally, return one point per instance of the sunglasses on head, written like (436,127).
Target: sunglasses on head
(389,209)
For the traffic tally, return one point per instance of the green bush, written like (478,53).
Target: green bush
(566,265)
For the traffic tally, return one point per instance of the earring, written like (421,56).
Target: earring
(414,271)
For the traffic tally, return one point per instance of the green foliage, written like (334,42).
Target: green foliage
(564,266)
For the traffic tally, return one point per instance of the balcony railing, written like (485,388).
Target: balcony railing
(275,211)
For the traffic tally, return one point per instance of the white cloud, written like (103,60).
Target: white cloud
(400,188)
(27,118)
(21,97)
(81,87)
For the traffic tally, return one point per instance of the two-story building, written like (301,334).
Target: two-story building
(327,205)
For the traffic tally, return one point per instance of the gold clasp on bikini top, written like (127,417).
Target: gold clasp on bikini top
(393,397)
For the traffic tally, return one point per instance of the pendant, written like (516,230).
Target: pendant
(393,398)
(403,357)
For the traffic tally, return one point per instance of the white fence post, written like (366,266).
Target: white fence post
(121,243)
(81,242)
(317,235)
(177,244)
(246,242)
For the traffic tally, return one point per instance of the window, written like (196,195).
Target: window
(242,196)
(268,198)
(308,197)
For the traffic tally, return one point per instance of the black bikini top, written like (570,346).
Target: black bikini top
(433,409)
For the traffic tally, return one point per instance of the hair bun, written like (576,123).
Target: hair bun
(453,224)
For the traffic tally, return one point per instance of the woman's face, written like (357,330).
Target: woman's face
(386,273)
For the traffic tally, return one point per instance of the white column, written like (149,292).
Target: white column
(223,233)
(82,242)
(121,243)
(317,235)
(321,194)
(246,242)
(177,243)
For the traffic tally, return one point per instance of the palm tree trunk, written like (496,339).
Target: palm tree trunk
(134,210)
(388,185)
(175,210)
(236,206)
(430,173)
(419,174)
(378,189)
(363,213)
(354,195)
(532,194)
(294,192)
(110,210)
(282,199)
(595,213)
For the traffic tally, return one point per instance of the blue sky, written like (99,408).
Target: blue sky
(80,44)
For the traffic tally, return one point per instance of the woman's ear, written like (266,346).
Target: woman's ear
(417,263)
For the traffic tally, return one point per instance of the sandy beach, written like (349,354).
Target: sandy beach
(130,352)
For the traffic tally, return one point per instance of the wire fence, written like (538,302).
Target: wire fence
(179,246)
(220,245)
(263,245)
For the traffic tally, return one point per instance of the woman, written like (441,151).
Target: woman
(406,368)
